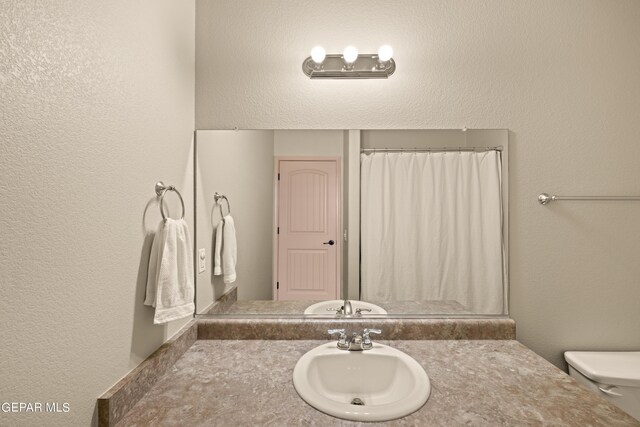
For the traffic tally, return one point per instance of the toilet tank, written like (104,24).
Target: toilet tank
(614,375)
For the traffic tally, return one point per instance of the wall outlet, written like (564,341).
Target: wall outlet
(202,260)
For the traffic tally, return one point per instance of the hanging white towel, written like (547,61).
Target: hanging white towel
(226,250)
(217,250)
(170,276)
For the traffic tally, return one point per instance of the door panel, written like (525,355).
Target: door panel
(307,201)
(307,270)
(307,219)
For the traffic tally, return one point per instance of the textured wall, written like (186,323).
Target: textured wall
(562,76)
(96,105)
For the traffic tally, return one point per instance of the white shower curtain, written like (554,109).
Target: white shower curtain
(431,227)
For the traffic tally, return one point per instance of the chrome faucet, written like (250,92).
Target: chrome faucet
(347,310)
(357,342)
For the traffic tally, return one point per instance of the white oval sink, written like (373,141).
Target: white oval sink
(386,382)
(329,307)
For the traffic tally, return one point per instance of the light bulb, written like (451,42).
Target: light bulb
(318,54)
(385,53)
(350,54)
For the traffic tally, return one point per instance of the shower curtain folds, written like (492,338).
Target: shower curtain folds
(432,228)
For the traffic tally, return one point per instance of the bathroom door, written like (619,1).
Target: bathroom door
(308,244)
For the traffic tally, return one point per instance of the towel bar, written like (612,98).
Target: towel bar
(545,198)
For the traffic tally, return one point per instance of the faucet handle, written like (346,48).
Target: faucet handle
(342,339)
(337,331)
(365,335)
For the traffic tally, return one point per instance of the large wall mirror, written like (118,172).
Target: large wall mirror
(396,222)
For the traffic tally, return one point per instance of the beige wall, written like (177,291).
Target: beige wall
(97,105)
(562,76)
(322,143)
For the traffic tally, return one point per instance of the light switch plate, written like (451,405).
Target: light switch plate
(202,258)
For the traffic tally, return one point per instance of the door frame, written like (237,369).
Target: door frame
(274,231)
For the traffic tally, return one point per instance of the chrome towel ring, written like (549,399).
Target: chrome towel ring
(217,197)
(161,190)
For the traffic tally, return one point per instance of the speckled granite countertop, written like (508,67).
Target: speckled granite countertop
(298,307)
(478,383)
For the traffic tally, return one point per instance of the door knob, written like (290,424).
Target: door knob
(330,243)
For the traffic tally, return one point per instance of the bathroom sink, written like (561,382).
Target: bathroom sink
(329,307)
(379,384)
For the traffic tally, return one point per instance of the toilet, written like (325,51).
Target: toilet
(613,375)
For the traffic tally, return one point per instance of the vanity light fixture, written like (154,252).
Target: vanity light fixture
(349,65)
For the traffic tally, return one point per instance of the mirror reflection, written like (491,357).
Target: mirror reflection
(355,223)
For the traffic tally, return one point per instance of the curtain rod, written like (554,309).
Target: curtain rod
(433,149)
